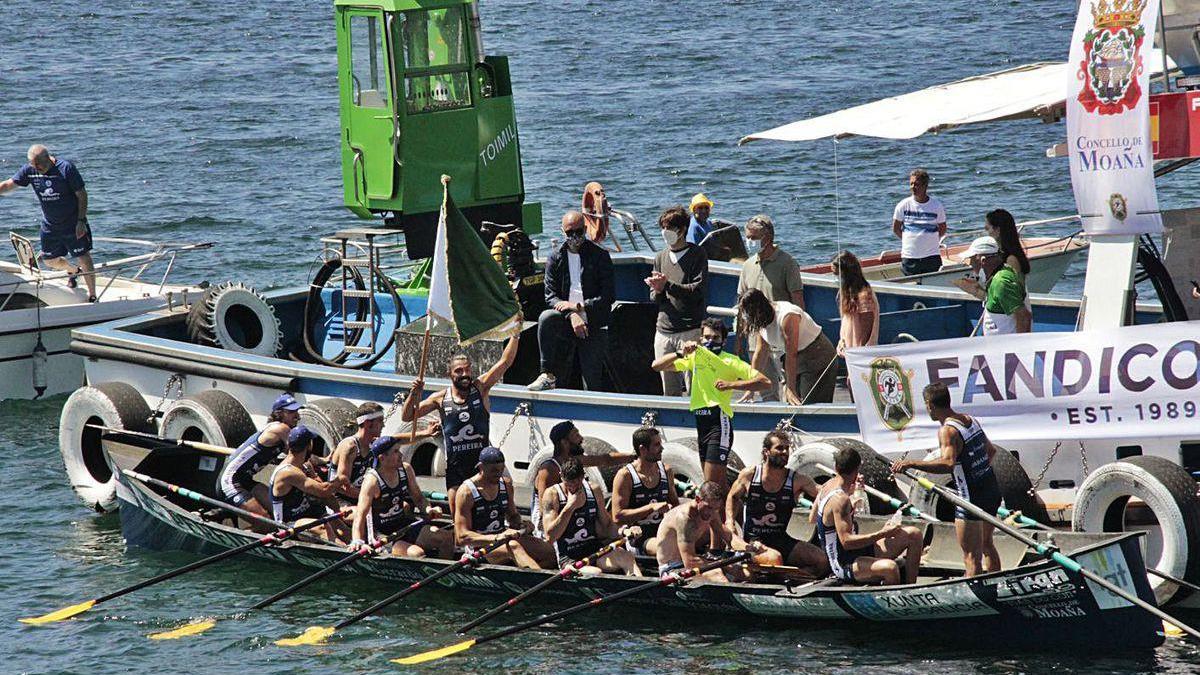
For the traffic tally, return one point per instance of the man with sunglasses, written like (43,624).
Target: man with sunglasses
(580,294)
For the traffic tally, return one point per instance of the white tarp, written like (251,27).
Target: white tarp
(1132,382)
(1030,91)
(1108,117)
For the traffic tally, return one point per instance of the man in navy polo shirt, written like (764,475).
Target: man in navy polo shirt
(65,231)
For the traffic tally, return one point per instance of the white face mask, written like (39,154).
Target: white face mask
(753,246)
(670,238)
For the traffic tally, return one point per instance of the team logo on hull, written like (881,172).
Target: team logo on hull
(891,390)
(1112,57)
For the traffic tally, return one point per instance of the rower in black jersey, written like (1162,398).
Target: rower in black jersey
(643,490)
(760,504)
(485,512)
(576,523)
(854,557)
(966,453)
(465,411)
(566,442)
(298,497)
(262,448)
(352,457)
(390,500)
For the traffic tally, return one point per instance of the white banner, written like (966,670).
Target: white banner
(1133,382)
(1108,117)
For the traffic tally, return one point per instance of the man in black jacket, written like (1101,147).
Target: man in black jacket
(580,293)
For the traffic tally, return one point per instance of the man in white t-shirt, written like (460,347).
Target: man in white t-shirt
(920,222)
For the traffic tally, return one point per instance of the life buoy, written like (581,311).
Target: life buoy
(110,404)
(1169,491)
(234,316)
(1014,486)
(875,470)
(211,416)
(331,419)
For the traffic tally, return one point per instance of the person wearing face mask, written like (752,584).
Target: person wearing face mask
(579,297)
(464,408)
(679,285)
(760,504)
(716,373)
(567,443)
(776,273)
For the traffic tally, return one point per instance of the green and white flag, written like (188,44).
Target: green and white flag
(468,289)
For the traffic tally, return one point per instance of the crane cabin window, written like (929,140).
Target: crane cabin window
(437,69)
(368,64)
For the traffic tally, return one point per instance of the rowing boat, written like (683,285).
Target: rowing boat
(1032,603)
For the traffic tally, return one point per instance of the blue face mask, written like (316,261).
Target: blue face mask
(713,346)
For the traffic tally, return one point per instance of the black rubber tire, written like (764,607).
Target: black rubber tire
(220,418)
(211,320)
(331,419)
(733,465)
(875,471)
(1014,486)
(112,404)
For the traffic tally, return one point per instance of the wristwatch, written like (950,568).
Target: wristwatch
(678,354)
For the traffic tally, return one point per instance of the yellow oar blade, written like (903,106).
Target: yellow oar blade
(194,628)
(64,613)
(313,635)
(435,654)
(1171,630)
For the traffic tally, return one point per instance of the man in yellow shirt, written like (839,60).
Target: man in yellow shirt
(716,373)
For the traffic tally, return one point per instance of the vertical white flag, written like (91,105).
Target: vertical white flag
(1108,116)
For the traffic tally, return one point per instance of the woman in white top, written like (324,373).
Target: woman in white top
(788,332)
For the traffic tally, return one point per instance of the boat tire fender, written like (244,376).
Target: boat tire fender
(875,471)
(1011,478)
(236,317)
(593,474)
(111,404)
(733,465)
(211,416)
(331,419)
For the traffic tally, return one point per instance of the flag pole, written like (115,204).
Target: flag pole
(412,432)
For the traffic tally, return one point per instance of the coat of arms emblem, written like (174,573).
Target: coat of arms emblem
(1118,206)
(1112,57)
(891,390)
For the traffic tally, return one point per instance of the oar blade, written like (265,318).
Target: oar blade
(313,635)
(60,615)
(186,630)
(435,654)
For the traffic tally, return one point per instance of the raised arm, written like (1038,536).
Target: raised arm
(949,444)
(412,410)
(494,374)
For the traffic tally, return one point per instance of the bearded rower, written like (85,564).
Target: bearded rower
(690,526)
(577,525)
(485,513)
(262,448)
(390,500)
(567,443)
(643,491)
(296,496)
(465,411)
(760,506)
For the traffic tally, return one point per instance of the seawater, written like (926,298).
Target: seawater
(218,121)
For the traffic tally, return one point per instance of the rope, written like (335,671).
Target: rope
(837,215)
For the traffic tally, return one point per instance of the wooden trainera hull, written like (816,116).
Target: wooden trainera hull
(1035,605)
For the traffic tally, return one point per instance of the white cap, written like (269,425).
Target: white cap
(981,246)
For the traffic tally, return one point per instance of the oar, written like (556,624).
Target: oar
(905,507)
(1050,552)
(667,580)
(198,627)
(206,447)
(317,634)
(565,572)
(1175,580)
(273,538)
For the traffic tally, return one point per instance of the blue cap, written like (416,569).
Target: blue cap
(285,402)
(382,444)
(490,455)
(301,435)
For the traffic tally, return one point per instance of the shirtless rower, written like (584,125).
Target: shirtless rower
(485,512)
(262,448)
(760,506)
(643,490)
(352,457)
(465,411)
(567,442)
(298,497)
(854,557)
(577,524)
(689,526)
(390,499)
(966,453)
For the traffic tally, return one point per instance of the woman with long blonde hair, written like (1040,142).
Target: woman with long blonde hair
(857,304)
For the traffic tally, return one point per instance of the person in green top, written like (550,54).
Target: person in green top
(1002,289)
(716,373)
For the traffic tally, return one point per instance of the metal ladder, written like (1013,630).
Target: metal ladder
(363,241)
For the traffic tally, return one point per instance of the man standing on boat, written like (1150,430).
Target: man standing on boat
(760,504)
(262,448)
(698,225)
(715,374)
(65,231)
(920,222)
(579,293)
(567,443)
(485,512)
(1005,302)
(854,557)
(644,490)
(679,285)
(577,524)
(465,411)
(390,500)
(773,271)
(689,527)
(966,453)
(298,497)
